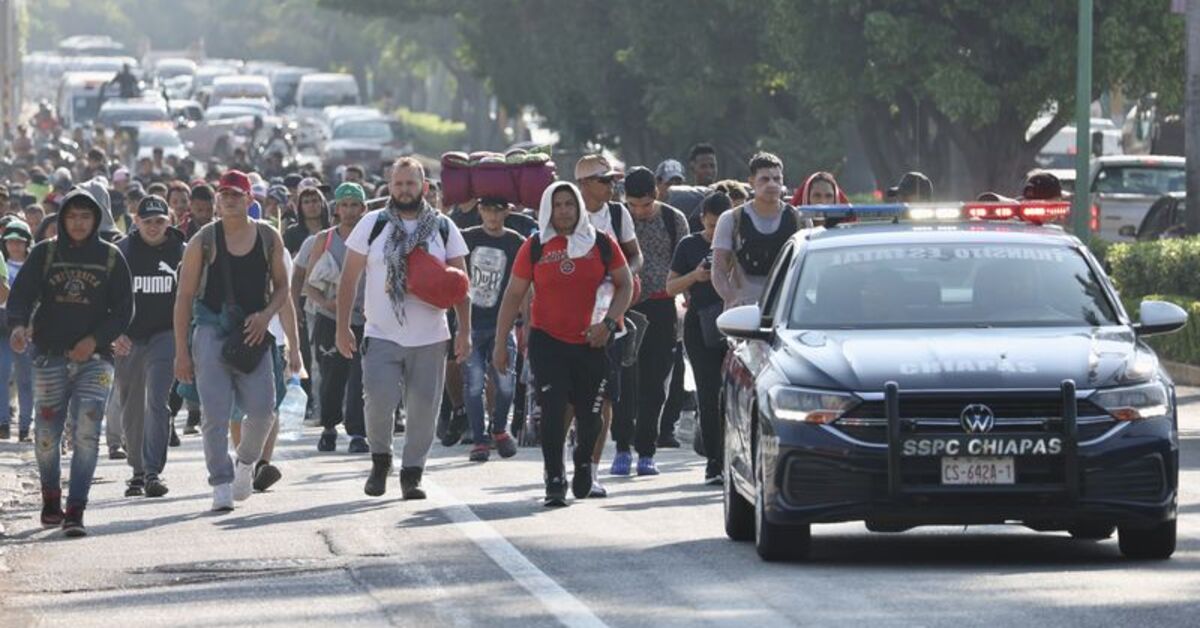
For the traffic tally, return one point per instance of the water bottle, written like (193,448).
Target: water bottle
(604,297)
(291,410)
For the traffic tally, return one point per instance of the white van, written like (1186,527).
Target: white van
(317,91)
(240,86)
(78,99)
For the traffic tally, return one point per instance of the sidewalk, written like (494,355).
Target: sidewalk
(18,479)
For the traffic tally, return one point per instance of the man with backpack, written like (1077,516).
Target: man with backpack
(406,335)
(82,294)
(659,228)
(749,238)
(233,280)
(146,351)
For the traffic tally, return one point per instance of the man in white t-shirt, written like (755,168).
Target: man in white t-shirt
(406,339)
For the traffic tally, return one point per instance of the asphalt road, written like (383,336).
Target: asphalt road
(483,551)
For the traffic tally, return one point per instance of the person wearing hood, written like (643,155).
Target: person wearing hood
(574,314)
(17,239)
(406,337)
(146,351)
(313,217)
(80,288)
(820,188)
(98,188)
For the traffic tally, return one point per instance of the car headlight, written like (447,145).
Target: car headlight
(818,407)
(1133,403)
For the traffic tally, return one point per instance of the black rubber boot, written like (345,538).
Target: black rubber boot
(410,483)
(381,466)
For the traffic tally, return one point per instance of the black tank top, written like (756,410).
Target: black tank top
(757,251)
(250,275)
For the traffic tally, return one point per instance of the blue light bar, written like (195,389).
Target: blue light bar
(887,210)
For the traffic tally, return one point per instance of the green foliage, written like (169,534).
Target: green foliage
(1158,267)
(433,135)
(1183,345)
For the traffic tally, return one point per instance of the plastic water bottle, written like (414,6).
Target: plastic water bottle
(291,411)
(604,297)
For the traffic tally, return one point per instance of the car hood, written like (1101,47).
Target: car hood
(865,360)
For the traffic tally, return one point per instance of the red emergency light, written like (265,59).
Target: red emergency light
(1034,212)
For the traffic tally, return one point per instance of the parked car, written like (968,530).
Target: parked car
(164,136)
(240,86)
(368,140)
(1165,219)
(1124,187)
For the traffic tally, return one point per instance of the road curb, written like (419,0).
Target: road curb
(1185,374)
(16,461)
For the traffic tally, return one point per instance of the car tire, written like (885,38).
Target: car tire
(1157,543)
(1092,531)
(775,542)
(739,513)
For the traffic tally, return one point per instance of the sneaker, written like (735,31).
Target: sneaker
(72,524)
(358,445)
(668,441)
(135,487)
(505,445)
(23,436)
(713,473)
(646,466)
(621,463)
(556,493)
(117,453)
(456,427)
(52,512)
(190,430)
(155,488)
(265,475)
(480,453)
(5,432)
(328,441)
(598,490)
(581,483)
(174,441)
(243,481)
(222,498)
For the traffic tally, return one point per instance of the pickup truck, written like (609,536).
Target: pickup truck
(1125,186)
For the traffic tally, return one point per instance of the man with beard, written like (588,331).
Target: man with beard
(406,338)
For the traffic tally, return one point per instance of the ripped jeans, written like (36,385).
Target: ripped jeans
(62,386)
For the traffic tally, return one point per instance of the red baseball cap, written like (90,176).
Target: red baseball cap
(234,180)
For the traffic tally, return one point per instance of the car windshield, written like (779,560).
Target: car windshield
(165,139)
(948,285)
(317,98)
(377,130)
(1147,180)
(133,114)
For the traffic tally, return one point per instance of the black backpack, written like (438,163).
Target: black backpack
(602,242)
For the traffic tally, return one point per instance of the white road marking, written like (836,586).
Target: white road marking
(564,606)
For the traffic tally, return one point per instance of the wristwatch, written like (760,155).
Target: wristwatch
(610,324)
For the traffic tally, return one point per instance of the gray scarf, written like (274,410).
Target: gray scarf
(399,245)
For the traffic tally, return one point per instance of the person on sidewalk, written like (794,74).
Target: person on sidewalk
(232,281)
(17,239)
(405,337)
(146,351)
(493,250)
(574,314)
(80,289)
(341,386)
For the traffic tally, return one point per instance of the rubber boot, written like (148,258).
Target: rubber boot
(381,466)
(410,483)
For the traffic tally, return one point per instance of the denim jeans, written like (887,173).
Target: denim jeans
(83,388)
(20,364)
(479,363)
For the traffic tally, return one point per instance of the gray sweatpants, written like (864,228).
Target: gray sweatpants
(144,380)
(422,370)
(220,387)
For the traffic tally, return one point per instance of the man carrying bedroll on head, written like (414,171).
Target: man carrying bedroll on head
(81,290)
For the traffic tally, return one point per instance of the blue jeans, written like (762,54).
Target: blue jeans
(23,364)
(83,388)
(483,341)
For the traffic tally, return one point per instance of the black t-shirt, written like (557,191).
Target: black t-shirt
(489,265)
(154,271)
(691,251)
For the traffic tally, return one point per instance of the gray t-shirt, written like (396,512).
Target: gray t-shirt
(750,288)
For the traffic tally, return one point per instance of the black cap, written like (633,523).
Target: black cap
(913,184)
(1042,186)
(153,205)
(293,180)
(639,183)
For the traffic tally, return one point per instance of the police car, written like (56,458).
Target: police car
(948,365)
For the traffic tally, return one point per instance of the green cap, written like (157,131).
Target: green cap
(350,190)
(17,230)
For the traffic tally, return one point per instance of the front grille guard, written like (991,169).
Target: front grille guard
(1070,453)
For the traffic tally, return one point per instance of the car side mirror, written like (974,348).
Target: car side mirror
(1160,317)
(743,322)
(1128,231)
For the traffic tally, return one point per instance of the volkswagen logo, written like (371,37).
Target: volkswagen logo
(977,419)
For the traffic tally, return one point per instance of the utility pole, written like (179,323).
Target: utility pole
(1082,201)
(1191,117)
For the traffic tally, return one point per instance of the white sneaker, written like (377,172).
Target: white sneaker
(222,498)
(243,481)
(597,489)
